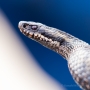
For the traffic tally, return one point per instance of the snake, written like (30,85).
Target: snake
(74,50)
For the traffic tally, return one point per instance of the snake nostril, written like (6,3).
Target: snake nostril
(24,25)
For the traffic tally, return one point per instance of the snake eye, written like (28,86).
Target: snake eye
(34,27)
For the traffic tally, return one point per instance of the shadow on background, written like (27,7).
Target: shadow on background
(67,15)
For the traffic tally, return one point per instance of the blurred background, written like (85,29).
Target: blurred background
(21,55)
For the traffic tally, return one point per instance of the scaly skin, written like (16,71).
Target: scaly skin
(74,50)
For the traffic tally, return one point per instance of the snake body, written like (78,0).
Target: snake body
(74,50)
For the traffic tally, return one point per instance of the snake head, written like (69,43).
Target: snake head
(31,29)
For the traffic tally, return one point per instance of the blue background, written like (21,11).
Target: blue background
(72,16)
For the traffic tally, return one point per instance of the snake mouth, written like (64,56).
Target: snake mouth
(34,35)
(27,33)
(30,34)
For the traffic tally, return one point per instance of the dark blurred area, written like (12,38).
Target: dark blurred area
(72,16)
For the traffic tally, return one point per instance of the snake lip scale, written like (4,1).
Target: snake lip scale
(74,50)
